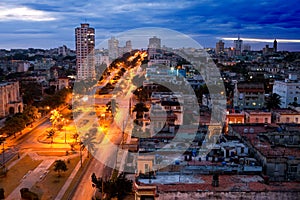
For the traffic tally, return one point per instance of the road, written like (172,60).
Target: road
(107,151)
(85,189)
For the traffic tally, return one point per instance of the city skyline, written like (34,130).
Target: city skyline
(47,24)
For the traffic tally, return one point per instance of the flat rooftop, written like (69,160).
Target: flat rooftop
(171,183)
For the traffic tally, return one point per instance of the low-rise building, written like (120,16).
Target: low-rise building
(286,116)
(10,99)
(256,116)
(277,149)
(249,95)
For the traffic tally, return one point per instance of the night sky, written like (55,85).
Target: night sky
(51,23)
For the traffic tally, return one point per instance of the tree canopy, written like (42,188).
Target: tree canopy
(59,166)
(273,101)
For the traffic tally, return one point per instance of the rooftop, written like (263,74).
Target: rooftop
(258,138)
(226,183)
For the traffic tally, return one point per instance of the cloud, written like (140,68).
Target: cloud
(23,13)
(197,18)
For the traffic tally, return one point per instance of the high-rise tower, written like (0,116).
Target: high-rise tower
(113,48)
(275,46)
(238,45)
(85,44)
(219,47)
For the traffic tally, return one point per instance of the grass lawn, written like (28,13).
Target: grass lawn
(16,173)
(49,187)
(76,178)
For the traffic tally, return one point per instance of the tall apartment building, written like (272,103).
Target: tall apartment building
(219,47)
(113,48)
(85,44)
(115,51)
(288,90)
(238,46)
(154,44)
(10,99)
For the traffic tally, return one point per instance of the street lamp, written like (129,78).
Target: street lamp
(65,122)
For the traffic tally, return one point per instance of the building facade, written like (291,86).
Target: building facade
(249,95)
(238,46)
(10,99)
(288,90)
(113,48)
(219,47)
(85,44)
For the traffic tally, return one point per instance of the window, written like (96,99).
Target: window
(296,120)
(266,120)
(287,119)
(256,120)
(146,168)
(293,168)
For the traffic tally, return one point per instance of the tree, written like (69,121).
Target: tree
(59,166)
(32,113)
(141,94)
(115,187)
(55,117)
(273,101)
(50,134)
(75,136)
(81,148)
(30,92)
(13,125)
(112,106)
(88,140)
(140,108)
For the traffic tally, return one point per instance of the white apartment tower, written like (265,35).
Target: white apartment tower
(85,44)
(288,90)
(113,48)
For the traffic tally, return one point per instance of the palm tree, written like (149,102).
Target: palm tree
(112,106)
(55,117)
(140,108)
(75,136)
(273,101)
(89,141)
(50,134)
(81,148)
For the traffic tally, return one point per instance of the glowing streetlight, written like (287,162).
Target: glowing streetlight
(65,124)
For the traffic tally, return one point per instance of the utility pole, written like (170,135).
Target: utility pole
(3,157)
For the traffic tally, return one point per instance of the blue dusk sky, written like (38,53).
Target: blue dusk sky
(51,23)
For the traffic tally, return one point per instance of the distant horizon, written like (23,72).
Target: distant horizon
(255,46)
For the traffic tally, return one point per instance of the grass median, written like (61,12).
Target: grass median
(16,173)
(49,187)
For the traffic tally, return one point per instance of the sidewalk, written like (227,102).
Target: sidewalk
(32,178)
(70,179)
